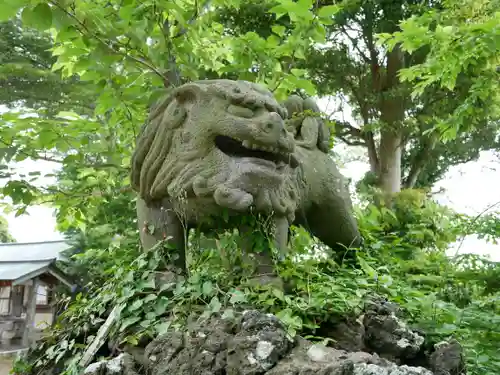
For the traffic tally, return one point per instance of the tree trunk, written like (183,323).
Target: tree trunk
(392,109)
(390,162)
(414,174)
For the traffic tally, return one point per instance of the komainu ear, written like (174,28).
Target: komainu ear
(189,93)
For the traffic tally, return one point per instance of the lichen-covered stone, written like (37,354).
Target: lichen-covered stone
(220,148)
(123,364)
(387,334)
(253,343)
(371,369)
(349,335)
(258,344)
(448,359)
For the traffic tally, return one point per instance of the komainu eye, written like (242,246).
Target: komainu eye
(240,111)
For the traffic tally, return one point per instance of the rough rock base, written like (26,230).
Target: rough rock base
(258,343)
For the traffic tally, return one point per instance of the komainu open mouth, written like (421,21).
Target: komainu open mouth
(246,149)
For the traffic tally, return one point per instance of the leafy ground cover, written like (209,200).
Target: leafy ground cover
(443,296)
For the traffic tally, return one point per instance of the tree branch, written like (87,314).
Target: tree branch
(193,18)
(344,131)
(355,45)
(36,156)
(348,129)
(108,46)
(351,143)
(367,32)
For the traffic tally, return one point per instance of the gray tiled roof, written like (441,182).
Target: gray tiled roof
(34,251)
(18,260)
(13,271)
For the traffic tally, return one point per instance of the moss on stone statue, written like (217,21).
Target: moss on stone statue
(221,147)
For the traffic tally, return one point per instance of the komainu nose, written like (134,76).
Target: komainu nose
(274,126)
(273,132)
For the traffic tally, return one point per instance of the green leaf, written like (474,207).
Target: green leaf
(161,306)
(207,288)
(147,284)
(145,323)
(70,114)
(299,53)
(278,294)
(237,296)
(128,322)
(214,305)
(228,314)
(278,30)
(132,340)
(28,16)
(329,11)
(369,270)
(136,305)
(279,10)
(162,328)
(8,9)
(483,358)
(59,50)
(39,17)
(126,12)
(150,297)
(298,72)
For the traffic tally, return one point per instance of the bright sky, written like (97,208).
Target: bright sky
(39,224)
(469,188)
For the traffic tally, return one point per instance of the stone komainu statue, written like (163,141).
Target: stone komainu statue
(218,145)
(309,131)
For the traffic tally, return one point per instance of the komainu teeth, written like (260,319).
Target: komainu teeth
(275,150)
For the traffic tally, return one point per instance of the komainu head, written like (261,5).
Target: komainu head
(219,141)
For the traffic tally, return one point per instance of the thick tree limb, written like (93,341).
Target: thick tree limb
(372,152)
(349,134)
(355,132)
(418,162)
(373,61)
(351,143)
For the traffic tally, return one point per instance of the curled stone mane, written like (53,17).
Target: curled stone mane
(154,143)
(167,164)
